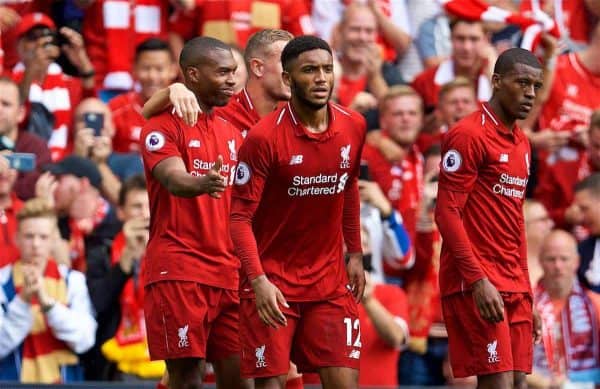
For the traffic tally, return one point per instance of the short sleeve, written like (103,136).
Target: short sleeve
(462,154)
(255,157)
(159,140)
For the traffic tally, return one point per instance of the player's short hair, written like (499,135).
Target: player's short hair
(299,45)
(595,120)
(195,50)
(36,208)
(152,44)
(507,60)
(399,91)
(259,44)
(136,182)
(458,82)
(591,183)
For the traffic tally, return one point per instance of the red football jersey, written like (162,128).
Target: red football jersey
(573,97)
(240,112)
(300,180)
(189,237)
(378,360)
(401,182)
(128,120)
(488,165)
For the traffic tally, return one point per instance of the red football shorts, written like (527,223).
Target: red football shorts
(318,334)
(190,320)
(478,347)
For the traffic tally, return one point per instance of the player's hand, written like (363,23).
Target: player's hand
(488,301)
(537,327)
(369,287)
(268,298)
(356,275)
(213,183)
(185,104)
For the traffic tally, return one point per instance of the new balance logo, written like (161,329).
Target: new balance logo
(183,338)
(296,159)
(503,157)
(194,143)
(260,357)
(491,349)
(354,354)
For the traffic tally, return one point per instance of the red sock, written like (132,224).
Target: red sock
(160,385)
(294,383)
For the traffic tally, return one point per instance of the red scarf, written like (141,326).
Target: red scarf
(43,354)
(79,229)
(580,330)
(132,328)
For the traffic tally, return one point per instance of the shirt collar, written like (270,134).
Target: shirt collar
(500,127)
(300,129)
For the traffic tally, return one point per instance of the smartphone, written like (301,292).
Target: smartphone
(363,173)
(22,162)
(95,121)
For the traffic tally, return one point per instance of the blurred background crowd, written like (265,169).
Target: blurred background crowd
(73,218)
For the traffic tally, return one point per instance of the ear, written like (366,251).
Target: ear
(21,114)
(192,74)
(496,81)
(257,67)
(120,214)
(286,78)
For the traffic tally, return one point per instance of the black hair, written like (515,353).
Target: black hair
(591,183)
(136,182)
(299,45)
(195,50)
(507,60)
(152,44)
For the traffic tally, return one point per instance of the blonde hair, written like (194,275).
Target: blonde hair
(399,91)
(458,82)
(259,43)
(35,208)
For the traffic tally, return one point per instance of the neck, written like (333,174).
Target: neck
(589,58)
(315,120)
(557,290)
(352,70)
(470,72)
(5,200)
(263,103)
(501,114)
(203,106)
(12,133)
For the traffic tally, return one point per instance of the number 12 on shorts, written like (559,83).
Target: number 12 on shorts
(351,327)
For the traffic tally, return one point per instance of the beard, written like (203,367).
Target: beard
(305,100)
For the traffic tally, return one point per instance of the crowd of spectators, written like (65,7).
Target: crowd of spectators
(75,75)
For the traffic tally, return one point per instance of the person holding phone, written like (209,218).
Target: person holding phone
(39,76)
(34,148)
(94,132)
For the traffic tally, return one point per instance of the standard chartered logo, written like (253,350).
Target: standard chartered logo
(319,185)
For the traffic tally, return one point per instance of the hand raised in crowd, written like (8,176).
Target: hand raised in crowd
(212,183)
(36,61)
(8,18)
(373,60)
(45,187)
(84,142)
(550,140)
(268,299)
(74,49)
(136,233)
(488,301)
(363,101)
(31,282)
(371,193)
(4,164)
(184,103)
(356,275)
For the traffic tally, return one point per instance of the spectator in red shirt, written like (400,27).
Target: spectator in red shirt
(469,58)
(484,280)
(295,288)
(9,207)
(456,100)
(12,113)
(42,81)
(189,252)
(557,181)
(361,60)
(400,177)
(153,69)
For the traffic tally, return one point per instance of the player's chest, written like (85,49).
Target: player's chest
(201,149)
(505,166)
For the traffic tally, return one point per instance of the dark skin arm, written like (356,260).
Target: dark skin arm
(172,174)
